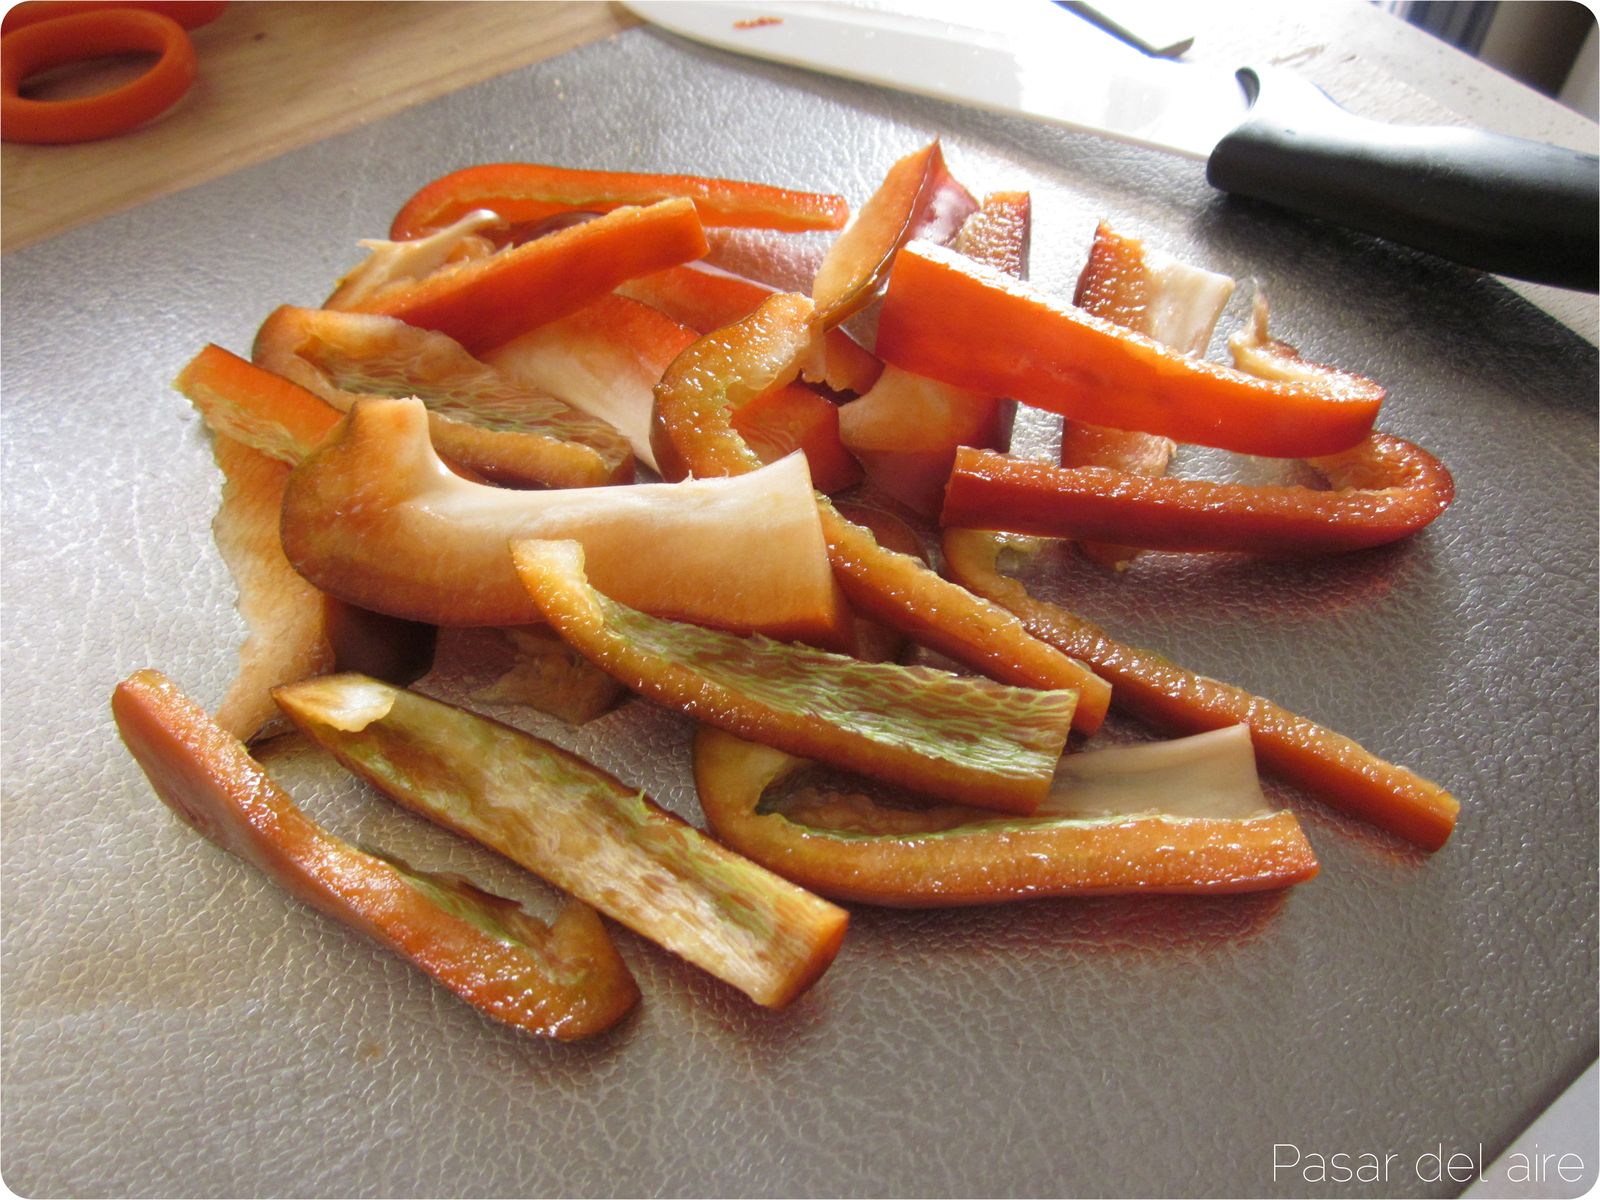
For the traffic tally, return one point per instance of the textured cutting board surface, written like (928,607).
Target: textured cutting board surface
(173,1024)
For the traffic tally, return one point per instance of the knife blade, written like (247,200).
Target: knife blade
(1502,204)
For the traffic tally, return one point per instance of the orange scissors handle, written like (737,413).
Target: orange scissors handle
(53,34)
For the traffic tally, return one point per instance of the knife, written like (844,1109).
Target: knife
(1502,204)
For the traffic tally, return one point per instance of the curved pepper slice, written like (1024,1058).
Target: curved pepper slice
(918,198)
(604,359)
(572,824)
(946,317)
(375,518)
(564,981)
(954,736)
(706,298)
(477,417)
(485,302)
(1170,697)
(1384,489)
(851,848)
(692,431)
(524,192)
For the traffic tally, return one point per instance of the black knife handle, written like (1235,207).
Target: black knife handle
(1502,204)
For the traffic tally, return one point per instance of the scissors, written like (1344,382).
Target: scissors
(43,34)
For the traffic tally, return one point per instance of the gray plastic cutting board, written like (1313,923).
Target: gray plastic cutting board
(174,1025)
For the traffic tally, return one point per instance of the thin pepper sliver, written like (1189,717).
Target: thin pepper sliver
(525,192)
(692,431)
(564,981)
(990,861)
(949,318)
(1148,686)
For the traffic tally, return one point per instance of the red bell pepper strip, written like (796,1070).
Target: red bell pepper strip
(585,831)
(1384,489)
(525,192)
(918,198)
(564,981)
(485,302)
(793,417)
(958,737)
(605,359)
(949,318)
(705,298)
(926,858)
(693,432)
(286,617)
(263,425)
(906,429)
(1178,700)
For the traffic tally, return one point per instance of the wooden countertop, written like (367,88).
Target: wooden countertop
(276,76)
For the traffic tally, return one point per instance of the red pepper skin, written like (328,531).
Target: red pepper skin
(486,302)
(918,198)
(1174,698)
(1385,489)
(566,981)
(524,192)
(950,319)
(794,417)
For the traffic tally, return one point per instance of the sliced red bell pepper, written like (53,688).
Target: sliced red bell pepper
(571,823)
(705,298)
(485,302)
(918,198)
(692,431)
(524,192)
(906,429)
(955,736)
(949,318)
(1173,698)
(565,980)
(256,407)
(793,417)
(1384,489)
(479,418)
(849,847)
(293,630)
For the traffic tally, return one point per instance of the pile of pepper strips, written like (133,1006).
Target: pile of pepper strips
(954,318)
